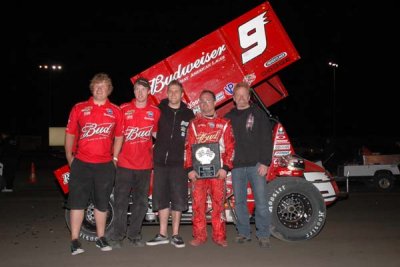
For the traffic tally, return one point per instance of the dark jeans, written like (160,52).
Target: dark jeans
(127,181)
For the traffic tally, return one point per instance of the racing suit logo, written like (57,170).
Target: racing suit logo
(208,137)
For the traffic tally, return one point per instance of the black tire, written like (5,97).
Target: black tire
(384,181)
(298,211)
(88,229)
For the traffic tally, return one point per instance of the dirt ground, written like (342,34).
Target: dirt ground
(363,230)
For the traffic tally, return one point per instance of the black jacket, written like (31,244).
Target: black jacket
(253,136)
(172,127)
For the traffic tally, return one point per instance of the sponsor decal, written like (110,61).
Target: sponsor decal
(194,103)
(281,153)
(249,78)
(219,96)
(65,178)
(282,147)
(229,88)
(318,225)
(275,59)
(159,82)
(280,141)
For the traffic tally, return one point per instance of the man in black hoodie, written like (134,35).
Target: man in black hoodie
(170,186)
(253,154)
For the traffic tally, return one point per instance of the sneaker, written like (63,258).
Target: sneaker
(197,242)
(222,243)
(159,239)
(137,243)
(115,243)
(76,247)
(102,243)
(177,241)
(242,239)
(263,242)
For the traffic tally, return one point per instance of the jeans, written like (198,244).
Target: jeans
(138,181)
(240,179)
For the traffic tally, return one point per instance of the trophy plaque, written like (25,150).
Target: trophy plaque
(206,159)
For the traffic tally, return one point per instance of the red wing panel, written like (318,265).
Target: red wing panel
(250,48)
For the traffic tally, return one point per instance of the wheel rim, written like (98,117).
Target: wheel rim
(384,183)
(294,210)
(89,222)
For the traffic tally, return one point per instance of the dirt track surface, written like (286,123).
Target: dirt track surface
(363,230)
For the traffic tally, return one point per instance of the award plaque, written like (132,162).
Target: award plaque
(206,159)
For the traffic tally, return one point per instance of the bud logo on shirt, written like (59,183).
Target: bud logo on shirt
(138,134)
(94,129)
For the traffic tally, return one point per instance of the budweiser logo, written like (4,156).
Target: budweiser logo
(159,82)
(65,177)
(208,137)
(133,133)
(92,129)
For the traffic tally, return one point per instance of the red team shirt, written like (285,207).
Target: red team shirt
(94,128)
(139,124)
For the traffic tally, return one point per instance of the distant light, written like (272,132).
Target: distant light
(52,67)
(333,64)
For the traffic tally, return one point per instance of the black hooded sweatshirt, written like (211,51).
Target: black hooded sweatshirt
(172,128)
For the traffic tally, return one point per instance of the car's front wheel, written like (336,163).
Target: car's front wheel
(88,228)
(298,211)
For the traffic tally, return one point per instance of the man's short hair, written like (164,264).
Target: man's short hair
(177,83)
(142,81)
(207,91)
(241,85)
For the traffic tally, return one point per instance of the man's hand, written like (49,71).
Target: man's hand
(193,175)
(262,169)
(221,174)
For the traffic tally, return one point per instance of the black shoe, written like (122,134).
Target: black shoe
(263,242)
(158,240)
(137,243)
(242,239)
(102,243)
(177,241)
(76,247)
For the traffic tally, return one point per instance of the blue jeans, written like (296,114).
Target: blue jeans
(240,178)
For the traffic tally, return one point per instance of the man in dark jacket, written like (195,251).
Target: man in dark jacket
(253,154)
(170,187)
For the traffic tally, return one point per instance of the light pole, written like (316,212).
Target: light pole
(50,69)
(334,66)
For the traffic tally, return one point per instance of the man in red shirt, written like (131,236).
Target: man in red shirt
(135,163)
(94,128)
(209,128)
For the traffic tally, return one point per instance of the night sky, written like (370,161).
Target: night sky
(123,40)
